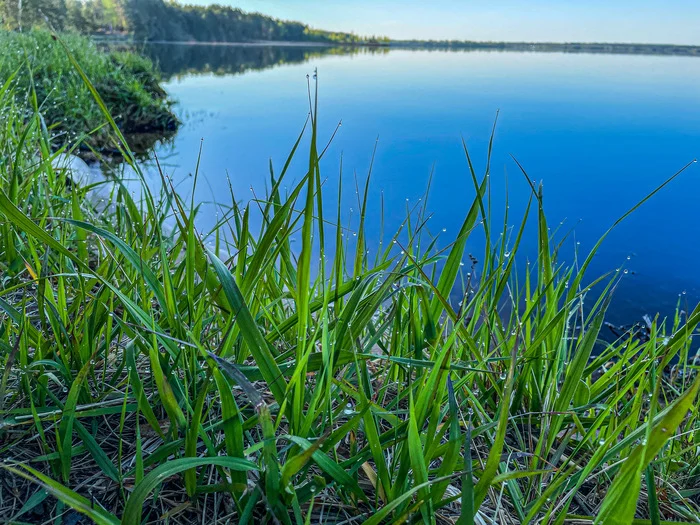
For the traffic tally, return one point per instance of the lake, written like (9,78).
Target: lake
(600,131)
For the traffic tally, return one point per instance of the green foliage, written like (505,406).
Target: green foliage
(29,13)
(163,365)
(164,20)
(126,82)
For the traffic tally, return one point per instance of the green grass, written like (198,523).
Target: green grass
(127,83)
(149,376)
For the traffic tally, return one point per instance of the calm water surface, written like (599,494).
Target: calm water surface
(600,131)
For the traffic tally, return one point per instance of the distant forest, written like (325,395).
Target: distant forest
(161,20)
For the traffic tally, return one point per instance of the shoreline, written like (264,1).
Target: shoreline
(519,47)
(552,47)
(134,354)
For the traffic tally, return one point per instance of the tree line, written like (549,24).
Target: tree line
(161,20)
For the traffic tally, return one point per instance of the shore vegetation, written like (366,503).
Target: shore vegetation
(161,20)
(151,372)
(42,76)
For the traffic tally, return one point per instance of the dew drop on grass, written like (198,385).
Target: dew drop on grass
(626,271)
(507,254)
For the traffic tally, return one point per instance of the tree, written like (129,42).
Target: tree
(25,14)
(75,18)
(160,20)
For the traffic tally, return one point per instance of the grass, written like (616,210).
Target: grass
(127,83)
(153,376)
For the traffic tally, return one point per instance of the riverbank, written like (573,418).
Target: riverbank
(457,45)
(154,374)
(128,85)
(552,47)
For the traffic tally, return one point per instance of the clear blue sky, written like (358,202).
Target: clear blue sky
(648,21)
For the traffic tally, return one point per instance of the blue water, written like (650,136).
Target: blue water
(599,131)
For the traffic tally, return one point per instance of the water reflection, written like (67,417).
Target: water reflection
(178,60)
(600,130)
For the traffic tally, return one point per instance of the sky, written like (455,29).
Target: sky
(641,21)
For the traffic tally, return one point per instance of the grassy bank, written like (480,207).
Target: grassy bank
(148,377)
(127,83)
